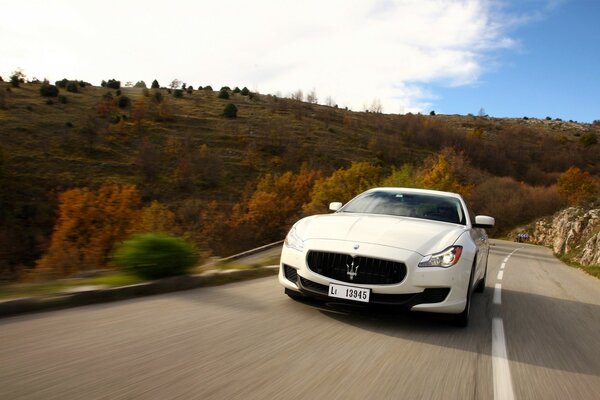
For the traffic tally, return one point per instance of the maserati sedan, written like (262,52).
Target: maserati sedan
(418,249)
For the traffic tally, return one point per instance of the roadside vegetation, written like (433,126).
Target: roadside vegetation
(230,170)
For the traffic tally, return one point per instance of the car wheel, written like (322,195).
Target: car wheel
(462,319)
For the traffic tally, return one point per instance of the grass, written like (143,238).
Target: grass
(593,270)
(118,278)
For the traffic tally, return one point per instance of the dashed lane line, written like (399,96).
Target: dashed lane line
(503,388)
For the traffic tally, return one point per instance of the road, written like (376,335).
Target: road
(249,341)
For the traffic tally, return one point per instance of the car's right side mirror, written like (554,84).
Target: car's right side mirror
(483,221)
(336,205)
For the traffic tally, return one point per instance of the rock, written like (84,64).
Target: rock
(572,231)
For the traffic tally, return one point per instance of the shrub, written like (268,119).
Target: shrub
(236,90)
(112,83)
(588,139)
(208,88)
(62,99)
(62,83)
(432,113)
(178,93)
(245,91)
(155,255)
(190,89)
(49,102)
(146,92)
(226,88)
(84,84)
(124,102)
(118,92)
(73,87)
(48,90)
(223,94)
(17,78)
(157,97)
(155,84)
(230,111)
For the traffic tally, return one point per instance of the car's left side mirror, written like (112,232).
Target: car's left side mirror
(483,221)
(335,206)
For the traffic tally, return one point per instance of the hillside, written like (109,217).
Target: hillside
(183,153)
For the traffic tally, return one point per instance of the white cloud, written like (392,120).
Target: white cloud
(354,51)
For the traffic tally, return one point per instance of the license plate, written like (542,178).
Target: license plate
(349,292)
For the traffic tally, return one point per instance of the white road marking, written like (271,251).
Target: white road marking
(503,265)
(500,275)
(498,294)
(503,388)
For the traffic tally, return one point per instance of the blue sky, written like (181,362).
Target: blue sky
(554,70)
(513,58)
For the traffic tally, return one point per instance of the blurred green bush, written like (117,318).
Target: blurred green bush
(155,255)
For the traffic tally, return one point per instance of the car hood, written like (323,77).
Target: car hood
(418,235)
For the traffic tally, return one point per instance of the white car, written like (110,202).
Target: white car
(418,249)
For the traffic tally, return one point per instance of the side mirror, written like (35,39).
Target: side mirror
(335,206)
(483,221)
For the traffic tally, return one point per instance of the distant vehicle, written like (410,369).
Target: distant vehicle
(418,249)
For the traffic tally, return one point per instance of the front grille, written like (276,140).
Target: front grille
(290,273)
(369,271)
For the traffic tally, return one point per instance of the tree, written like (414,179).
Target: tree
(245,91)
(577,186)
(89,224)
(342,186)
(47,90)
(223,94)
(17,77)
(297,95)
(311,97)
(175,83)
(482,112)
(112,84)
(230,111)
(155,84)
(142,84)
(255,220)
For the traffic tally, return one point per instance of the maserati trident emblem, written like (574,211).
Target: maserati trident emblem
(351,270)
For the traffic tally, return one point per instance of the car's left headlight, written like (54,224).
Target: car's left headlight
(293,241)
(446,258)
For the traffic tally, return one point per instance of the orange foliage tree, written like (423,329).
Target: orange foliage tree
(438,173)
(342,186)
(275,204)
(577,186)
(89,224)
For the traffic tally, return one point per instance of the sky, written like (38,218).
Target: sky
(534,58)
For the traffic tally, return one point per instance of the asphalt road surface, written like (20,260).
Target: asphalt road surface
(534,336)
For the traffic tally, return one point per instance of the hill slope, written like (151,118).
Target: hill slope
(183,152)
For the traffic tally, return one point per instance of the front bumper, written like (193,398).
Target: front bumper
(432,289)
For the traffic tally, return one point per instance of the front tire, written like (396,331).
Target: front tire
(462,319)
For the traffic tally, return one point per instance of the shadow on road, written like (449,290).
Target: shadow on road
(539,329)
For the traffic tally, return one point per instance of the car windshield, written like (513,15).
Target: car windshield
(425,206)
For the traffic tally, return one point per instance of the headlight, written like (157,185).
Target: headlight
(293,241)
(446,258)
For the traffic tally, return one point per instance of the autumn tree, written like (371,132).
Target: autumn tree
(156,217)
(438,173)
(89,224)
(342,186)
(577,186)
(275,204)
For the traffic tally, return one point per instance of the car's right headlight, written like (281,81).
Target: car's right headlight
(293,241)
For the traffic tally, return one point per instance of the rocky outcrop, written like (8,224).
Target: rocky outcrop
(574,232)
